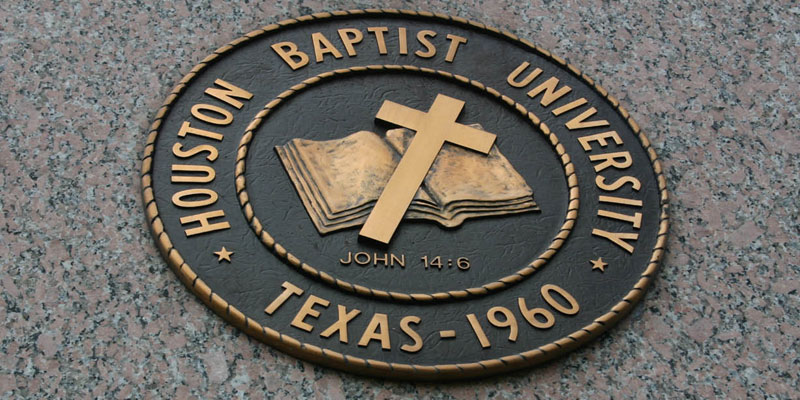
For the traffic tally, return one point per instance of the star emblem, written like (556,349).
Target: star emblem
(224,254)
(599,264)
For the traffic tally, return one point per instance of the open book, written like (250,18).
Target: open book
(340,180)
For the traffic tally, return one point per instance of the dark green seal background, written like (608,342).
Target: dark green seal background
(494,245)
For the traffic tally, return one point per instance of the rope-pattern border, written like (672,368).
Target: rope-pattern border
(370,366)
(294,261)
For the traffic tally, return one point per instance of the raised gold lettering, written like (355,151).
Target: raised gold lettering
(479,333)
(293,57)
(323,46)
(288,290)
(187,129)
(307,310)
(599,138)
(620,200)
(406,328)
(349,259)
(341,324)
(455,41)
(512,77)
(227,95)
(422,37)
(550,93)
(618,160)
(509,321)
(361,258)
(569,106)
(618,238)
(600,181)
(580,122)
(400,261)
(178,198)
(378,31)
(635,219)
(198,112)
(378,329)
(376,258)
(208,176)
(177,150)
(350,37)
(547,294)
(205,226)
(402,39)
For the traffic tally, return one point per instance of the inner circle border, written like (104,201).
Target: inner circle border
(372,367)
(294,261)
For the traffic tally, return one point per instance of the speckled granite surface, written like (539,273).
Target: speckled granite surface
(89,308)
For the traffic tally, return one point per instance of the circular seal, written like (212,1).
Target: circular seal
(404,194)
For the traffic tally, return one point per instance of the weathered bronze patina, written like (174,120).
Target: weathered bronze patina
(403,194)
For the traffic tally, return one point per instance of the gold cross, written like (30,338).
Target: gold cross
(433,128)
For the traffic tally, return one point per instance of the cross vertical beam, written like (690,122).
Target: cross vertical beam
(433,130)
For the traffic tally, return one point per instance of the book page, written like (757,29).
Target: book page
(348,172)
(340,180)
(459,174)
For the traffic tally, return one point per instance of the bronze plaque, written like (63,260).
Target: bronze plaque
(405,195)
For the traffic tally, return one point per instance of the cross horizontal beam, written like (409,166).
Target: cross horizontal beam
(433,129)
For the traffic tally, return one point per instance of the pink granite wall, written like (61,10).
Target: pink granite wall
(88,307)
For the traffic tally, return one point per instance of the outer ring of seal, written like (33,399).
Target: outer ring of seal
(372,367)
(571,179)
